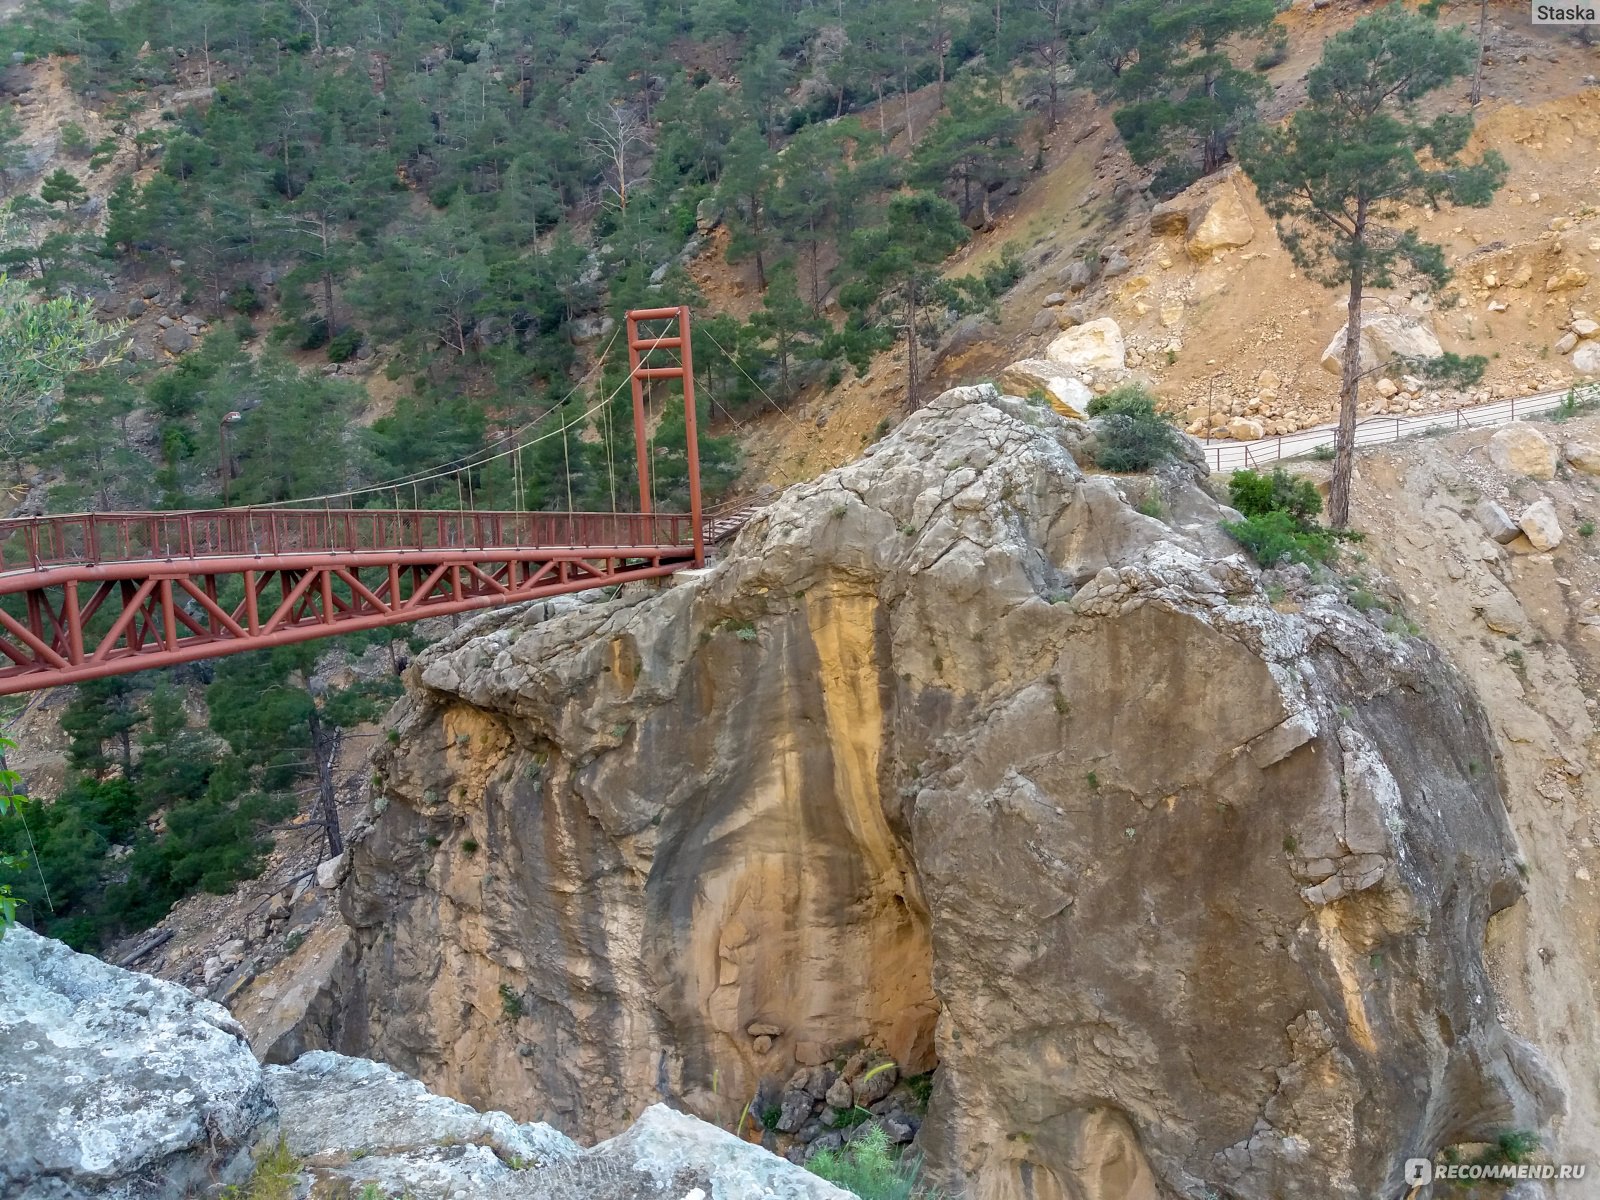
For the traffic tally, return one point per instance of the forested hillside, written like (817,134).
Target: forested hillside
(347,243)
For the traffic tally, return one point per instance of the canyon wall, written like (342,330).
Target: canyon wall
(1179,875)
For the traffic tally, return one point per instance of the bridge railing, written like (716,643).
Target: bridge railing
(255,532)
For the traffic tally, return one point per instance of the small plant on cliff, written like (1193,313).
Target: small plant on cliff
(511,1005)
(1131,434)
(276,1177)
(868,1168)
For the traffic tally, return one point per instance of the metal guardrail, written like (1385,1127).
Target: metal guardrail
(78,538)
(1379,430)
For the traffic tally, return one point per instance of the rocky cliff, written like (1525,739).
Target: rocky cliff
(973,759)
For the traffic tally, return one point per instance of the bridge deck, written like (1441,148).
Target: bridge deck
(89,595)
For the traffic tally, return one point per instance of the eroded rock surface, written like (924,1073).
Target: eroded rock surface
(116,1084)
(961,756)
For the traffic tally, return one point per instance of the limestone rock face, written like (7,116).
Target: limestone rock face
(960,756)
(1521,449)
(117,1084)
(1225,225)
(1093,346)
(1385,338)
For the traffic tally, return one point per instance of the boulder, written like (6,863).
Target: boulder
(1093,346)
(1496,522)
(1388,388)
(1385,338)
(1582,457)
(1567,279)
(1067,395)
(330,872)
(353,1121)
(1115,265)
(1244,429)
(1566,343)
(1226,225)
(1054,299)
(113,1077)
(876,1082)
(1586,358)
(667,1152)
(175,339)
(708,215)
(1170,218)
(1584,327)
(1075,276)
(1539,523)
(137,307)
(1521,449)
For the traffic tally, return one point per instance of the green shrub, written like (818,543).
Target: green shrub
(1132,435)
(343,347)
(868,1168)
(1256,495)
(1276,537)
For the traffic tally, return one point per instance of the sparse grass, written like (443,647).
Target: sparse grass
(469,846)
(276,1176)
(1586,529)
(1290,844)
(1093,781)
(1151,506)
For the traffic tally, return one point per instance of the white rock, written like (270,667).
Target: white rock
(1385,338)
(330,871)
(1586,358)
(1566,342)
(1539,523)
(1584,327)
(1388,388)
(1520,449)
(1068,395)
(1093,346)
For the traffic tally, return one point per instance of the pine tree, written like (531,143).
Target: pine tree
(62,187)
(897,261)
(1354,160)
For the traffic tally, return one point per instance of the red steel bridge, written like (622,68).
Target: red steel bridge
(96,594)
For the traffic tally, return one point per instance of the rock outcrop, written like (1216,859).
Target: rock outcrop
(960,758)
(1093,346)
(123,1087)
(117,1084)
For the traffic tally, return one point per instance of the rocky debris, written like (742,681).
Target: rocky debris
(1224,224)
(1496,522)
(117,1084)
(1093,346)
(1566,343)
(1521,449)
(136,308)
(1539,523)
(1386,337)
(1068,395)
(1581,456)
(1586,358)
(971,686)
